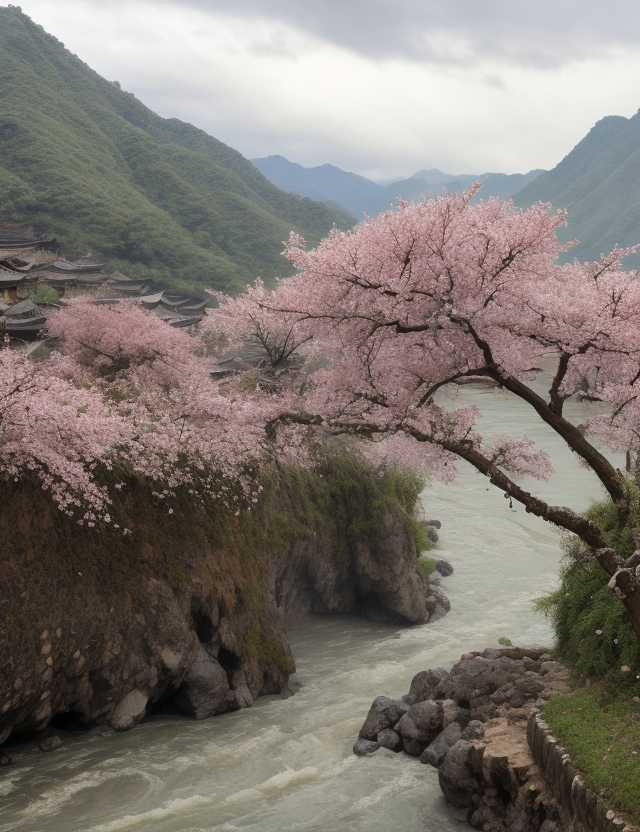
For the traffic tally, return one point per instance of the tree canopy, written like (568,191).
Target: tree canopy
(407,304)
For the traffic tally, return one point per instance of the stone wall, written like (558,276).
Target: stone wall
(565,782)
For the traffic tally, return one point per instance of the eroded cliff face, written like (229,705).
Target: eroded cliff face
(186,609)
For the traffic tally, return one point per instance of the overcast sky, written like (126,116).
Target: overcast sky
(378,87)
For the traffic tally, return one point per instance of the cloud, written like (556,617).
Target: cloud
(375,88)
(540,33)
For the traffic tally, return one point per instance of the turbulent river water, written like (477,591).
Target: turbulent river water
(287,765)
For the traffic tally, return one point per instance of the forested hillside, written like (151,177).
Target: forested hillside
(599,185)
(84,160)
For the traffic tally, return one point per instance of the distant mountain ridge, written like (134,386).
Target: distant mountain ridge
(361,196)
(598,183)
(325,182)
(85,161)
(433,182)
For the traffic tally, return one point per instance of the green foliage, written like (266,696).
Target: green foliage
(343,497)
(505,642)
(594,635)
(426,566)
(602,735)
(85,161)
(45,294)
(268,648)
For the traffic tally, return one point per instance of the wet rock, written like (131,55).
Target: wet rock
(432,534)
(420,726)
(243,697)
(424,684)
(129,711)
(384,713)
(389,739)
(444,568)
(435,753)
(50,743)
(363,747)
(204,689)
(457,777)
(435,523)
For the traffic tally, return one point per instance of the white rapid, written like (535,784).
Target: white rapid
(287,765)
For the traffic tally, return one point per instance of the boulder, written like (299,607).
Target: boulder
(243,697)
(523,689)
(454,713)
(420,726)
(435,523)
(389,739)
(432,534)
(476,677)
(129,711)
(474,730)
(204,689)
(383,713)
(363,747)
(423,685)
(435,753)
(444,568)
(456,775)
(50,743)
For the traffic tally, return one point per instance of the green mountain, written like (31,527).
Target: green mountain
(87,162)
(599,185)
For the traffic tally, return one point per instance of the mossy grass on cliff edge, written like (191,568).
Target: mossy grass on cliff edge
(340,499)
(601,732)
(594,635)
(342,495)
(599,722)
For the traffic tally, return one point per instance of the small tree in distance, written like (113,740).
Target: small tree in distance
(418,298)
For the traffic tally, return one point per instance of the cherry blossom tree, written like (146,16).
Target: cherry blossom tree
(58,431)
(123,386)
(407,304)
(188,429)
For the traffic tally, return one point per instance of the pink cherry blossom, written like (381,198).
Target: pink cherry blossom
(390,315)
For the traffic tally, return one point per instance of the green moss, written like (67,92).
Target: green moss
(602,735)
(343,499)
(268,649)
(594,635)
(426,567)
(593,632)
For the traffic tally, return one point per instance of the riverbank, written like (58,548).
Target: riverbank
(481,726)
(286,765)
(193,604)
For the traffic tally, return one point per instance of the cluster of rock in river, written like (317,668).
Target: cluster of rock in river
(471,723)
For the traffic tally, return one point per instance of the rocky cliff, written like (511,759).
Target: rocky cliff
(191,608)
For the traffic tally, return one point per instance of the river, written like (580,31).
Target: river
(286,764)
